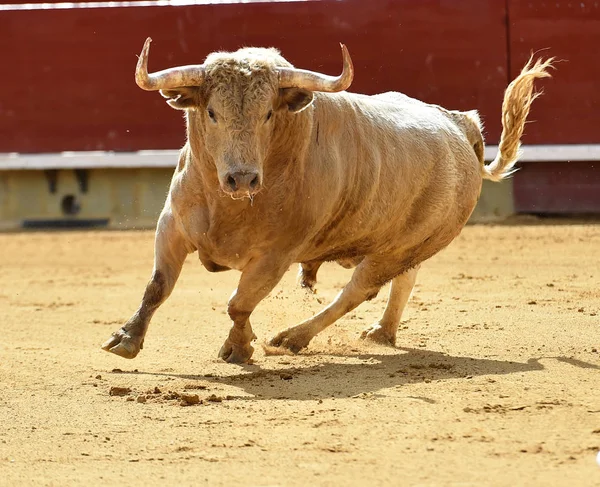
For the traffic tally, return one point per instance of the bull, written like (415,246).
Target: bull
(283,166)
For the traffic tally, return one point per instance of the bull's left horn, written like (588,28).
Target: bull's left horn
(312,81)
(169,78)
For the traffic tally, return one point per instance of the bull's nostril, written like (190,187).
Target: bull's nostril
(231,182)
(254,182)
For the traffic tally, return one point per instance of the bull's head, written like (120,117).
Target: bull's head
(235,99)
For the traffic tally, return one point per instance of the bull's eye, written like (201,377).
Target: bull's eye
(211,115)
(269,115)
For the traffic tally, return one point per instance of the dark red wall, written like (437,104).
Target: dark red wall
(67,80)
(569,111)
(558,187)
(67,75)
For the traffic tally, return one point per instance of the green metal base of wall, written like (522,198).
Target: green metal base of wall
(495,203)
(132,198)
(113,198)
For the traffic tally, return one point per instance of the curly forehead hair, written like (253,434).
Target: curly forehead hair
(249,70)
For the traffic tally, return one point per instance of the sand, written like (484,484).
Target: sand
(495,379)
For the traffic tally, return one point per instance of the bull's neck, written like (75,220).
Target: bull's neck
(287,155)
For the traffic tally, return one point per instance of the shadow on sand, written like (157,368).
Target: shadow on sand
(368,374)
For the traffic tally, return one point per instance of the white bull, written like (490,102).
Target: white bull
(282,166)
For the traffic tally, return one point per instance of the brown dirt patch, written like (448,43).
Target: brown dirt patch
(496,379)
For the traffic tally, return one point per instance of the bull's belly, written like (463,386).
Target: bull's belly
(393,240)
(346,257)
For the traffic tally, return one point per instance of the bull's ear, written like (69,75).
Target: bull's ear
(296,99)
(181,98)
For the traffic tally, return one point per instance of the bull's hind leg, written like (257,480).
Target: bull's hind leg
(366,281)
(384,331)
(170,251)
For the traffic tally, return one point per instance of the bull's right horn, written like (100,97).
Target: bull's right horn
(314,81)
(192,75)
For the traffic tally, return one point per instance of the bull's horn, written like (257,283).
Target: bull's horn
(311,81)
(169,78)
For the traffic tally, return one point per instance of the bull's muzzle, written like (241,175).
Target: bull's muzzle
(241,184)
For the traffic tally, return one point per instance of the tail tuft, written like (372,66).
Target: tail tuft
(518,97)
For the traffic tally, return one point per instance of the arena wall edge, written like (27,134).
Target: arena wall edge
(132,199)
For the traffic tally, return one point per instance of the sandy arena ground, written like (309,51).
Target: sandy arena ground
(495,381)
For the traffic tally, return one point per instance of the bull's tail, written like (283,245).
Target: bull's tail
(518,98)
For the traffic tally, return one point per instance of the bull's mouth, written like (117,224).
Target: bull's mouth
(239,195)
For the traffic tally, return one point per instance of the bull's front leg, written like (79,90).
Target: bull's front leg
(170,251)
(257,281)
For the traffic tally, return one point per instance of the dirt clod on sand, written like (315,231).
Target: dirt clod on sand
(194,386)
(481,389)
(189,399)
(119,391)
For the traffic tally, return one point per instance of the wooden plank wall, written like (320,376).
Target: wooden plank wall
(568,111)
(571,32)
(67,75)
(71,71)
(558,188)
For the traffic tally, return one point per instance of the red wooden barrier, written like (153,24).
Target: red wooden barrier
(568,111)
(558,187)
(67,75)
(25,4)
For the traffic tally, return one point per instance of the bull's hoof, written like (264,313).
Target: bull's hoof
(290,339)
(379,334)
(123,344)
(235,354)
